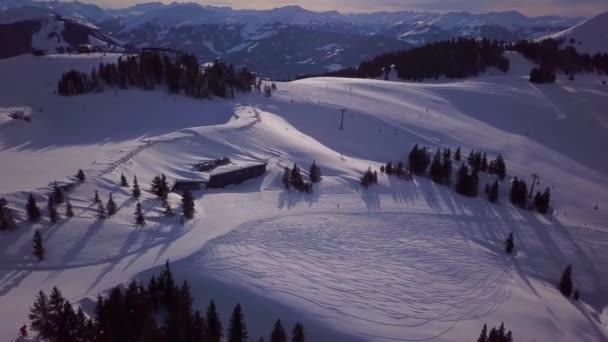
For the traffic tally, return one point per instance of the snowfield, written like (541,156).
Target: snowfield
(400,261)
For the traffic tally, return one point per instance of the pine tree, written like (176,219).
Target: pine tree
(437,168)
(168,212)
(188,205)
(7,222)
(483,337)
(123,180)
(111,206)
(457,156)
(493,193)
(58,196)
(139,216)
(509,244)
(23,331)
(214,325)
(53,214)
(498,168)
(199,328)
(96,199)
(446,171)
(237,330)
(33,212)
(542,201)
(298,333)
(39,316)
(462,180)
(286,178)
(39,251)
(69,212)
(315,172)
(80,176)
(101,211)
(278,333)
(565,284)
(484,163)
(136,192)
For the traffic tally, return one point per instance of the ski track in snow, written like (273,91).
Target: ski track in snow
(405,274)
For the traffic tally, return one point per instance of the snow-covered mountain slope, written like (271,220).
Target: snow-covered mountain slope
(590,36)
(25,29)
(399,261)
(277,43)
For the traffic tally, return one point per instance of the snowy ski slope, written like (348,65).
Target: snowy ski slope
(401,261)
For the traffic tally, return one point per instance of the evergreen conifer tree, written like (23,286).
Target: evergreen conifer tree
(315,172)
(509,244)
(58,196)
(483,336)
(214,325)
(493,194)
(39,315)
(33,212)
(101,211)
(286,177)
(437,168)
(96,199)
(53,214)
(39,251)
(565,284)
(69,212)
(80,176)
(298,333)
(7,222)
(136,192)
(168,210)
(457,156)
(237,330)
(139,216)
(278,333)
(111,206)
(123,181)
(188,205)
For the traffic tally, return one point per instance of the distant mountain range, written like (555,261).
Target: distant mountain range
(277,43)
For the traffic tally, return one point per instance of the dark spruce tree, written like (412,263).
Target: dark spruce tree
(436,170)
(139,216)
(53,214)
(7,222)
(58,196)
(33,212)
(101,211)
(278,333)
(446,171)
(565,284)
(493,193)
(457,156)
(237,329)
(167,209)
(541,202)
(188,205)
(111,206)
(315,172)
(136,192)
(39,251)
(498,168)
(297,334)
(39,316)
(80,176)
(509,244)
(483,336)
(96,199)
(123,181)
(69,212)
(286,178)
(214,325)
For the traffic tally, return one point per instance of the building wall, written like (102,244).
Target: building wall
(236,177)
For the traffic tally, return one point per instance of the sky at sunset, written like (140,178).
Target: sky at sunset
(528,7)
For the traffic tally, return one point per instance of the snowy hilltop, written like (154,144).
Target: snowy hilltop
(409,255)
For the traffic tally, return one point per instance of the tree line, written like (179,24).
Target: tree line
(159,311)
(552,57)
(292,178)
(455,58)
(179,73)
